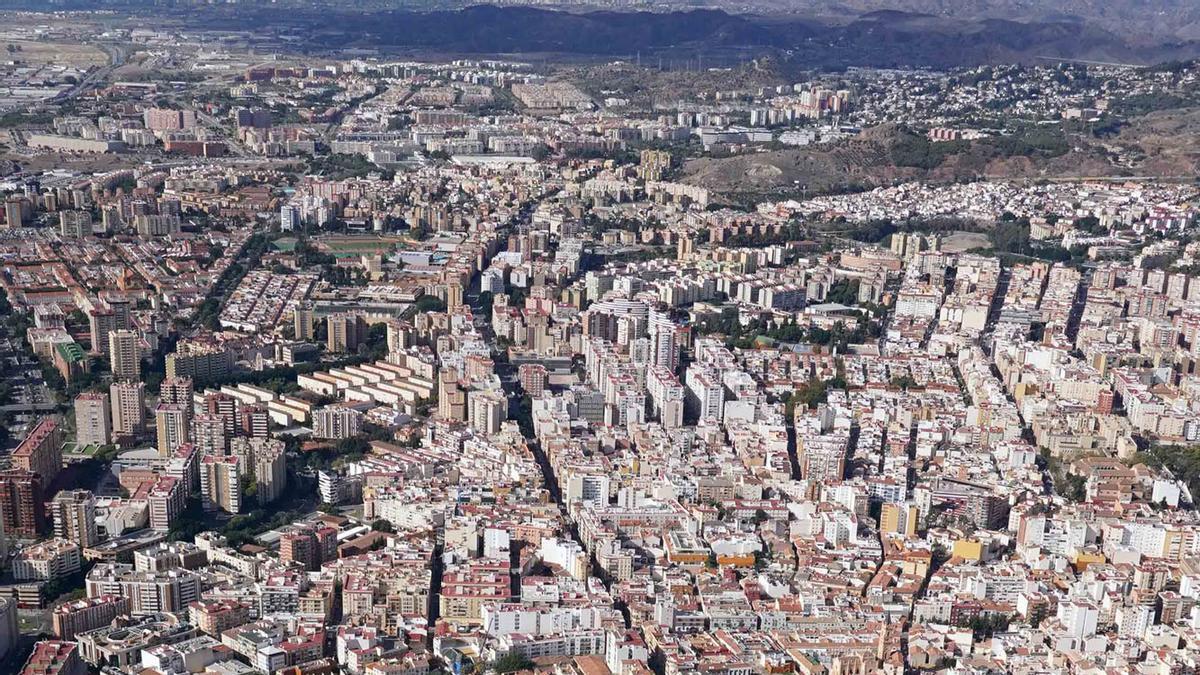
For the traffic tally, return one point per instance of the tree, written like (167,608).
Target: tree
(71,586)
(1073,487)
(428,303)
(249,490)
(524,416)
(383,525)
(844,292)
(214,254)
(353,446)
(1091,225)
(485,302)
(1183,461)
(987,625)
(512,662)
(1011,236)
(810,395)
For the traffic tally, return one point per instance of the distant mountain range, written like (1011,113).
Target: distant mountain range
(1138,21)
(878,39)
(831,33)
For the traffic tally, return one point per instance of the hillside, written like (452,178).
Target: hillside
(887,155)
(1162,143)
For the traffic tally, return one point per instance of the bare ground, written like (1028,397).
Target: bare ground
(1167,146)
(61,53)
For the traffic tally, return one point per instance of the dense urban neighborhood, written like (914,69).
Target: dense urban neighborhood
(350,364)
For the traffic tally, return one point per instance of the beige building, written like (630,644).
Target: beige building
(345,332)
(200,361)
(336,421)
(124,356)
(48,560)
(149,591)
(74,516)
(166,500)
(213,617)
(176,390)
(80,616)
(209,434)
(171,424)
(302,322)
(488,409)
(221,483)
(263,458)
(128,408)
(93,419)
(452,400)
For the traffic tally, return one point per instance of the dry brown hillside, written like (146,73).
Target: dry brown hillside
(1159,145)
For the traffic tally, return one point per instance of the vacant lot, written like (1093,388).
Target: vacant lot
(85,163)
(959,242)
(34,52)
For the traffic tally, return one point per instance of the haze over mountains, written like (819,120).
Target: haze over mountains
(1152,21)
(878,39)
(804,33)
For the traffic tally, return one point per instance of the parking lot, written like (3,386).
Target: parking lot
(29,396)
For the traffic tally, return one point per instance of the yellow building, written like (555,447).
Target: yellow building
(898,519)
(968,549)
(1085,558)
(736,560)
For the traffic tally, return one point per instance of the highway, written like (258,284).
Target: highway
(1086,62)
(117,56)
(234,143)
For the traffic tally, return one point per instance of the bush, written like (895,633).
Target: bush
(1036,141)
(844,292)
(428,303)
(512,662)
(917,151)
(1011,237)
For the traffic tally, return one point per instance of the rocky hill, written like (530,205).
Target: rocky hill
(887,155)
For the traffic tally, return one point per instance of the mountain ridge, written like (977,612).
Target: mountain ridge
(888,38)
(886,33)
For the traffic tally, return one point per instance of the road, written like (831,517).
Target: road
(512,390)
(234,143)
(26,407)
(166,164)
(1086,62)
(117,56)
